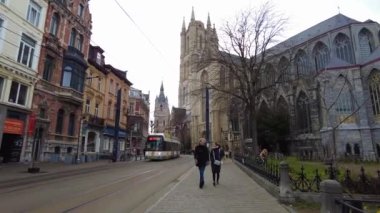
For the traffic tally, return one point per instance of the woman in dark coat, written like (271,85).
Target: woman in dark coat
(216,156)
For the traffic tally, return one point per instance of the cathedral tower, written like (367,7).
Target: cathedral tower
(199,45)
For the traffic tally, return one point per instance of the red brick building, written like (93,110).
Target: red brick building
(58,96)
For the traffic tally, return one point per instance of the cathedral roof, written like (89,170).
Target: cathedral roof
(325,26)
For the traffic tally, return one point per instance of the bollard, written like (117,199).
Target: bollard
(330,191)
(286,193)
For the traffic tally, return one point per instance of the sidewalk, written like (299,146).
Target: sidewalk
(236,193)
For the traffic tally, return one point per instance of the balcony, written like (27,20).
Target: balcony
(52,43)
(93,120)
(76,55)
(69,95)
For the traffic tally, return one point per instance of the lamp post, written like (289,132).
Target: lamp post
(79,139)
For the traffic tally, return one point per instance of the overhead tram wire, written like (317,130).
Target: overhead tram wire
(141,31)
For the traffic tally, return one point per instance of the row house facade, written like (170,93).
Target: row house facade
(138,120)
(58,96)
(94,98)
(21,36)
(117,84)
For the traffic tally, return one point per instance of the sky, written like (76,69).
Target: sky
(143,36)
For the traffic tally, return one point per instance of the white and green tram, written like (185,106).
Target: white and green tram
(160,147)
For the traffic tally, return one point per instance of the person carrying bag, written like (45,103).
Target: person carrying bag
(216,157)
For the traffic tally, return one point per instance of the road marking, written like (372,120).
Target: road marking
(181,179)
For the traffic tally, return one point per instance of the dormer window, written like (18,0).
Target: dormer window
(98,58)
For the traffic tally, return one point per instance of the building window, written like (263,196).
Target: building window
(222,77)
(34,13)
(87,109)
(80,43)
(18,93)
(301,63)
(2,1)
(374,90)
(99,83)
(59,124)
(109,115)
(97,109)
(321,56)
(303,114)
(26,51)
(90,79)
(54,24)
(42,113)
(1,86)
(131,108)
(80,10)
(343,101)
(366,43)
(111,89)
(284,69)
(1,25)
(73,36)
(73,78)
(48,69)
(343,48)
(268,76)
(71,127)
(99,58)
(67,76)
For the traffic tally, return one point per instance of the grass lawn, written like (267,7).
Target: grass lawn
(310,168)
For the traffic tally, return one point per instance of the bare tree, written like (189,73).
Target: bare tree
(244,53)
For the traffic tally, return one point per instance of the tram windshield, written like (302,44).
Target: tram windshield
(154,143)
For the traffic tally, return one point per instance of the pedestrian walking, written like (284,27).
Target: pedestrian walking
(201,156)
(217,154)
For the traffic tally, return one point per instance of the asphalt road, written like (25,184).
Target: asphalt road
(129,187)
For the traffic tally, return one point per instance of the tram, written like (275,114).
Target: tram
(160,147)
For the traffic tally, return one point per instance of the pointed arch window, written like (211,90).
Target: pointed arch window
(303,114)
(284,70)
(343,103)
(366,43)
(222,77)
(374,90)
(343,48)
(268,77)
(321,56)
(301,64)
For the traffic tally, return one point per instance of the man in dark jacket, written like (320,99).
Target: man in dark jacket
(201,156)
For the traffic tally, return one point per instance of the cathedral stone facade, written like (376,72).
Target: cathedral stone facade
(332,98)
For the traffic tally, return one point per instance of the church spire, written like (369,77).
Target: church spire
(208,21)
(162,87)
(183,25)
(192,14)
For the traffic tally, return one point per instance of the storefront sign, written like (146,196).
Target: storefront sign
(13,126)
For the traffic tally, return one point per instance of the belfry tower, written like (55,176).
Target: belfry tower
(161,112)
